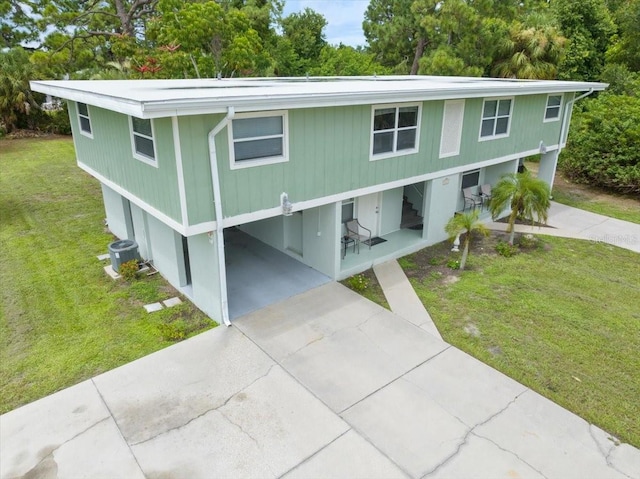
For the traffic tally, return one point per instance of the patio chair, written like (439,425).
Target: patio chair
(471,199)
(353,228)
(485,194)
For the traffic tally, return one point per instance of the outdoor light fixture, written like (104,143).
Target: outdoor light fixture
(543,148)
(287,206)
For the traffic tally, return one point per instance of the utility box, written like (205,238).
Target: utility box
(122,251)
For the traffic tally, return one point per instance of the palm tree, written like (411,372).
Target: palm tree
(465,223)
(529,52)
(528,198)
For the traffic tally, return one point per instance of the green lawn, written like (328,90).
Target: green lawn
(562,319)
(62,320)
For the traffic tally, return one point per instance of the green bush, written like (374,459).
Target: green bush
(505,249)
(358,282)
(129,270)
(453,264)
(602,148)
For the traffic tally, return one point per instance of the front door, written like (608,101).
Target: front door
(369,212)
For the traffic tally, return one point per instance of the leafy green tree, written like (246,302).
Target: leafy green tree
(305,32)
(16,98)
(626,48)
(347,61)
(468,224)
(394,34)
(603,148)
(588,27)
(528,198)
(16,25)
(203,39)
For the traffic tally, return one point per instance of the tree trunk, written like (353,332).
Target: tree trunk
(465,252)
(125,20)
(416,59)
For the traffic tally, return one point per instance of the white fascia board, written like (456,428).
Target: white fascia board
(117,104)
(264,101)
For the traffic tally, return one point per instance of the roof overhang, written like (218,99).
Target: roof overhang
(166,98)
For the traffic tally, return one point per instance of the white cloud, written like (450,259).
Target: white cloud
(344,18)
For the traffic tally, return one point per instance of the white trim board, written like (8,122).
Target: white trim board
(182,192)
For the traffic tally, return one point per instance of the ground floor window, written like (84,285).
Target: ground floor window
(470,179)
(348,209)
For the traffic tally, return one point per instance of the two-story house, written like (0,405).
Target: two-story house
(287,161)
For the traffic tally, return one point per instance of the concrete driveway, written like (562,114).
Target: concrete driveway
(324,384)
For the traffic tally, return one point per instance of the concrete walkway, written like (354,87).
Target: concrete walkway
(324,384)
(402,298)
(569,222)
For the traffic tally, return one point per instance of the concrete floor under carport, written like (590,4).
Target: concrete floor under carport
(259,275)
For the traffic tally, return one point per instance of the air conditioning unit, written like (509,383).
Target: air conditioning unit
(122,251)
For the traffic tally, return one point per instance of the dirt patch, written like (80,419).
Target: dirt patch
(587,192)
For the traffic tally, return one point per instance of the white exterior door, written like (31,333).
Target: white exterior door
(369,212)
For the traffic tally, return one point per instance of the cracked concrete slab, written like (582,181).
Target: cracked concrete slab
(409,427)
(345,367)
(481,459)
(286,327)
(67,434)
(350,456)
(263,431)
(169,388)
(341,355)
(549,438)
(465,387)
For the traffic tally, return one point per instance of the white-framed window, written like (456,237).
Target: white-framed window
(142,143)
(259,138)
(84,120)
(395,130)
(552,111)
(496,118)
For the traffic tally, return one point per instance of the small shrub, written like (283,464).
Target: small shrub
(358,282)
(505,249)
(528,241)
(175,331)
(129,270)
(453,264)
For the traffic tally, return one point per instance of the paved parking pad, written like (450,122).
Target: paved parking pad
(325,384)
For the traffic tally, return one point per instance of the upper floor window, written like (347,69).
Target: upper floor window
(258,139)
(496,118)
(84,120)
(395,130)
(142,142)
(552,111)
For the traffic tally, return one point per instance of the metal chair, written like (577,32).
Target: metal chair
(353,228)
(471,199)
(485,194)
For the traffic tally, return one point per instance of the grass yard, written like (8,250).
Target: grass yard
(588,198)
(561,318)
(62,320)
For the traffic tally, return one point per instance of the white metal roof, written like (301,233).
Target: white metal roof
(163,98)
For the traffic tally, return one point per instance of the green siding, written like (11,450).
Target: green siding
(329,154)
(109,153)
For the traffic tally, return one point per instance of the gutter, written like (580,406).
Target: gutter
(217,201)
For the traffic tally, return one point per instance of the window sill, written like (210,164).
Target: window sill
(395,154)
(239,165)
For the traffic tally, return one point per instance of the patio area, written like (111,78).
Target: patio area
(398,243)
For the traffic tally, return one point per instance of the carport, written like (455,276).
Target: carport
(259,275)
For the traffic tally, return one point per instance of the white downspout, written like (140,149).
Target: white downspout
(217,202)
(565,122)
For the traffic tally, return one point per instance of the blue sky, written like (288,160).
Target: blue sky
(344,18)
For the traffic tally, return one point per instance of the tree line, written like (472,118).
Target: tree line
(590,40)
